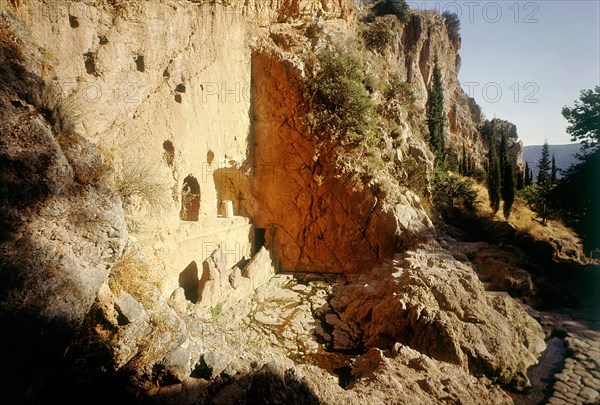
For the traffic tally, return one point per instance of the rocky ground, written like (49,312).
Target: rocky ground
(419,329)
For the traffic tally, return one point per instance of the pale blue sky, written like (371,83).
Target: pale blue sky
(549,50)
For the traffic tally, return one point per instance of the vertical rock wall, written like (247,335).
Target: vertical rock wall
(163,89)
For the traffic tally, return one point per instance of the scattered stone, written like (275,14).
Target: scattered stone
(177,362)
(215,362)
(178,300)
(129,307)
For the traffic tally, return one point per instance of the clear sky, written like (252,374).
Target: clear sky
(524,60)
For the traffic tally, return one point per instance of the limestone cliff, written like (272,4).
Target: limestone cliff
(201,65)
(160,171)
(62,227)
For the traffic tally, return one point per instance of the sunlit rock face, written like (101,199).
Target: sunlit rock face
(197,108)
(194,62)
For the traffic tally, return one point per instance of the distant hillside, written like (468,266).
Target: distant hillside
(564,154)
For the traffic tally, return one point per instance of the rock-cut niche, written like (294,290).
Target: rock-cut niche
(169,152)
(190,199)
(188,280)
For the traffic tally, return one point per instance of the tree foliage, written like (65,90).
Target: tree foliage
(577,199)
(538,195)
(576,196)
(344,108)
(544,166)
(435,115)
(452,25)
(501,170)
(493,179)
(508,186)
(453,191)
(378,35)
(584,118)
(399,8)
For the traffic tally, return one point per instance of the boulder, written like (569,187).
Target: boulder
(436,305)
(129,308)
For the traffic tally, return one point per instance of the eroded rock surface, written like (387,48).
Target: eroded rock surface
(61,228)
(433,303)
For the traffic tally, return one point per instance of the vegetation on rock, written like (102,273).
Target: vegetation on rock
(452,22)
(378,35)
(435,115)
(343,110)
(399,8)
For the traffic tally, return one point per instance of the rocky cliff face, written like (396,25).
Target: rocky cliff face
(152,148)
(317,219)
(62,227)
(126,61)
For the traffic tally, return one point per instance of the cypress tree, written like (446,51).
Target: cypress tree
(508,175)
(553,171)
(508,187)
(528,179)
(543,177)
(435,115)
(464,165)
(544,183)
(520,179)
(530,176)
(494,174)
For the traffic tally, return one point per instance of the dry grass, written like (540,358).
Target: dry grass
(63,113)
(138,179)
(131,273)
(524,220)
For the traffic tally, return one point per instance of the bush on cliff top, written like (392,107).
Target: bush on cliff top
(377,36)
(452,25)
(342,108)
(399,8)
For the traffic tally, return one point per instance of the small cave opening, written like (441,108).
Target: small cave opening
(73,21)
(102,40)
(259,240)
(178,98)
(89,60)
(190,199)
(169,152)
(210,157)
(180,88)
(139,63)
(188,280)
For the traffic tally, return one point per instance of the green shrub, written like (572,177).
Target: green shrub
(452,25)
(342,107)
(399,8)
(378,35)
(452,191)
(373,83)
(400,90)
(216,311)
(413,176)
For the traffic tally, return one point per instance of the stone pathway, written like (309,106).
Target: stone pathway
(579,381)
